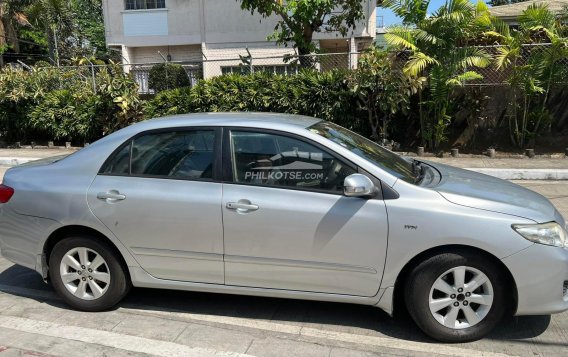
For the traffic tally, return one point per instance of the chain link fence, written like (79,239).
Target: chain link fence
(529,57)
(289,64)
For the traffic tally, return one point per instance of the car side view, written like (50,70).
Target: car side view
(284,206)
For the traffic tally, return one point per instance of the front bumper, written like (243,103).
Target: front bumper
(540,273)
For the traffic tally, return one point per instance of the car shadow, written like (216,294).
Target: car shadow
(19,281)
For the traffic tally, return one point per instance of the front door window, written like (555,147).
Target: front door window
(268,159)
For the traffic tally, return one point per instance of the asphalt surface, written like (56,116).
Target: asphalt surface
(34,321)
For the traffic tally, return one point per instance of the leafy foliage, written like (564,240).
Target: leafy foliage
(382,89)
(358,100)
(58,30)
(166,76)
(441,47)
(300,19)
(324,95)
(47,103)
(532,79)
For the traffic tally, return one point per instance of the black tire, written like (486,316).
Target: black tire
(119,284)
(424,275)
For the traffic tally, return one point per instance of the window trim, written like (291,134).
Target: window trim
(146,4)
(228,177)
(217,153)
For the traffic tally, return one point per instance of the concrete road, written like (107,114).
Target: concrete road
(34,321)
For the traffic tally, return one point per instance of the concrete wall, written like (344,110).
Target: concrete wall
(183,24)
(186,53)
(201,21)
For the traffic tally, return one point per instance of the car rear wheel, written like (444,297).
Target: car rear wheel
(87,274)
(456,297)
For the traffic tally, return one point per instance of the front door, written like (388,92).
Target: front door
(287,224)
(157,195)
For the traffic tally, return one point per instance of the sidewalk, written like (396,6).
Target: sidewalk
(512,169)
(13,157)
(505,168)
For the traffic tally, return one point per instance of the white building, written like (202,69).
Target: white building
(211,32)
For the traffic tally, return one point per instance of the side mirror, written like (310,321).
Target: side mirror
(358,185)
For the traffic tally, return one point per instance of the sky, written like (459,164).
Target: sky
(391,19)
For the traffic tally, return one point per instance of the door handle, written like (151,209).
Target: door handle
(242,206)
(111,196)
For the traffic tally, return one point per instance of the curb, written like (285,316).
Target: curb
(525,174)
(14,161)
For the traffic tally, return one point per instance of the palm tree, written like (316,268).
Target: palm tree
(441,45)
(55,18)
(533,56)
(10,18)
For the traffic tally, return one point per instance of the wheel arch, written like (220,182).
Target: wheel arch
(77,230)
(398,294)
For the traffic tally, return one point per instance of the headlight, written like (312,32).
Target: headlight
(545,233)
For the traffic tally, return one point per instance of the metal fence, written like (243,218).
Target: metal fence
(287,64)
(290,63)
(531,57)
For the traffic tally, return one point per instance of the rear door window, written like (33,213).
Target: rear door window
(173,154)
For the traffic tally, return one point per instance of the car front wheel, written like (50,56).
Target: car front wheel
(456,297)
(87,274)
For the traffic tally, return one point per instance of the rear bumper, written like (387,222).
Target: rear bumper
(540,272)
(22,237)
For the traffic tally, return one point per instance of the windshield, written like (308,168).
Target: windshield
(367,149)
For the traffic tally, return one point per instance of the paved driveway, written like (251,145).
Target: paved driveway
(33,321)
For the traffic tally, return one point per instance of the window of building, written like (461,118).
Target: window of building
(277,160)
(145,4)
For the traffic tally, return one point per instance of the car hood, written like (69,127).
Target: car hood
(472,189)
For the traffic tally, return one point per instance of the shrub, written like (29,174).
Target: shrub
(20,91)
(48,103)
(167,76)
(65,114)
(323,95)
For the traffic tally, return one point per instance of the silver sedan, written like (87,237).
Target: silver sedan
(284,206)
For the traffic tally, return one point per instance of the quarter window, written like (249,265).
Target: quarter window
(276,160)
(120,162)
(145,4)
(177,154)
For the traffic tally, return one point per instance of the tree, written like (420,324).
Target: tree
(11,17)
(504,2)
(55,18)
(89,29)
(300,19)
(441,46)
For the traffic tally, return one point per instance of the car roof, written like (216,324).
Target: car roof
(257,120)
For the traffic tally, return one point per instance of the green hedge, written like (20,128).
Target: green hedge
(48,103)
(324,95)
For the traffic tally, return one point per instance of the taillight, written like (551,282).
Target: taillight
(5,193)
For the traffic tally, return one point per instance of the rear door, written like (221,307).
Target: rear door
(158,194)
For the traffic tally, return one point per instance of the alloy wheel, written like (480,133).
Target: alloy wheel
(85,273)
(461,297)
